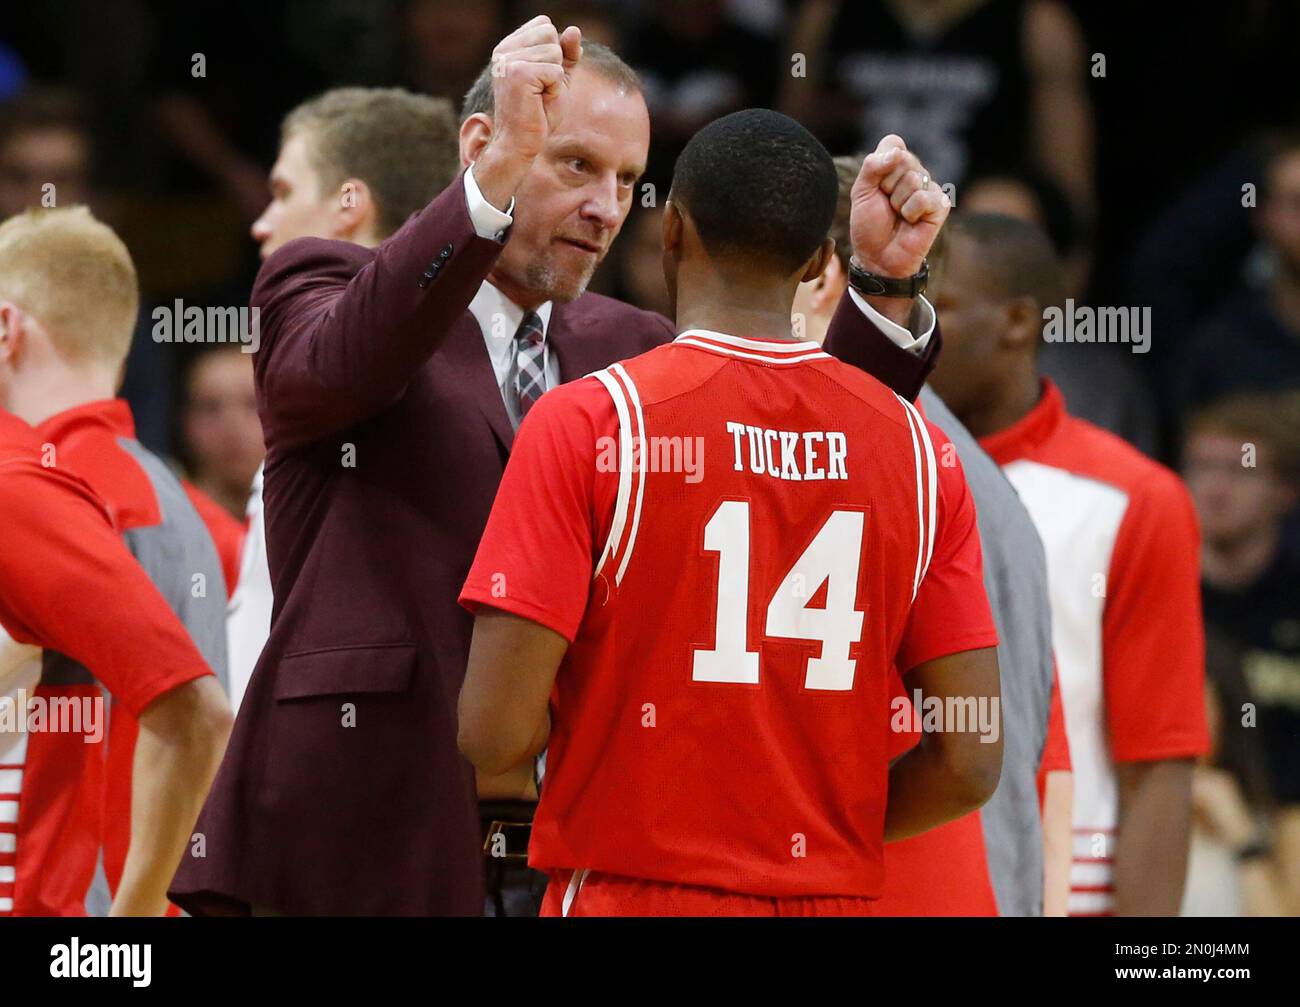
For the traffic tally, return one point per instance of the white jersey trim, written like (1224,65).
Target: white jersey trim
(624,468)
(631,461)
(571,893)
(933,470)
(640,482)
(926,492)
(761,345)
(767,358)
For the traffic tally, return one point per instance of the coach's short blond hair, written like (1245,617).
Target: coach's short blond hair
(73,275)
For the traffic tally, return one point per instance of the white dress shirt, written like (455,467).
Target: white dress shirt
(499,317)
(248,614)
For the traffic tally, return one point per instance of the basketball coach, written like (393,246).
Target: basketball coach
(390,382)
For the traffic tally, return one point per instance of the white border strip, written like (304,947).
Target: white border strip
(769,345)
(640,483)
(934,480)
(727,351)
(920,507)
(571,893)
(624,468)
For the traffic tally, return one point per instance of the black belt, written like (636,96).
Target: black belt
(507,826)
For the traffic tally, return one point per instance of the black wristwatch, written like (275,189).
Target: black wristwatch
(871,285)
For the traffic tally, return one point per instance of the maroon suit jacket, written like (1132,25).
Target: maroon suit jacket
(342,790)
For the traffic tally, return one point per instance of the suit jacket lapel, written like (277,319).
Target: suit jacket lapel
(575,353)
(467,357)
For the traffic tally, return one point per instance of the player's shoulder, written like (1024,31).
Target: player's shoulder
(28,487)
(879,397)
(1091,451)
(664,372)
(18,440)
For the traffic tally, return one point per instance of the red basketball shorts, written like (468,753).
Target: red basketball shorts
(592,893)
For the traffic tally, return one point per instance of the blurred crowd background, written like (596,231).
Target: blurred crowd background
(1158,145)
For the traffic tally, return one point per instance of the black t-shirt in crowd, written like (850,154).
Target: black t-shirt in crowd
(1263,621)
(960,99)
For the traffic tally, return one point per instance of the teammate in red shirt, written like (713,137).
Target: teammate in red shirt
(76,610)
(68,394)
(707,560)
(150,509)
(72,598)
(1122,547)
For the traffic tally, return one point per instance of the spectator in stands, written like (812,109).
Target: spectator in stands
(973,84)
(1232,869)
(446,42)
(697,62)
(223,436)
(46,141)
(1241,460)
(44,152)
(640,278)
(1027,193)
(1253,340)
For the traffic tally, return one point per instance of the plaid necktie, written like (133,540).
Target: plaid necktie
(530,370)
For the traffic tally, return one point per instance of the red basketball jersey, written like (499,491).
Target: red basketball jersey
(740,538)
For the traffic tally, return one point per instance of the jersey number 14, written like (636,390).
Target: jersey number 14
(832,557)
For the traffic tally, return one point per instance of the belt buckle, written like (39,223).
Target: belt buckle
(508,831)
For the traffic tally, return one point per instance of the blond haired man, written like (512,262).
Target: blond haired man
(68,302)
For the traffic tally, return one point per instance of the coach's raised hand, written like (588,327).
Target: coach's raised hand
(897,210)
(896,214)
(530,72)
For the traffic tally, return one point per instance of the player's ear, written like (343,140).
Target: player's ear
(1024,322)
(673,226)
(356,212)
(13,334)
(475,132)
(820,258)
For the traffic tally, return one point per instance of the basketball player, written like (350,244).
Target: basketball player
(708,558)
(1122,545)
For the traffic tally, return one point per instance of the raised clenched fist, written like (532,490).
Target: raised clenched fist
(530,70)
(897,210)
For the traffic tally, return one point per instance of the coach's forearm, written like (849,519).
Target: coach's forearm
(182,738)
(1155,813)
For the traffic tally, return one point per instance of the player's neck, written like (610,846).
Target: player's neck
(51,393)
(1013,400)
(748,312)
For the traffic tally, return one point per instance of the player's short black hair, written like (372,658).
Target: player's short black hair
(757,185)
